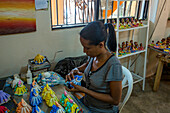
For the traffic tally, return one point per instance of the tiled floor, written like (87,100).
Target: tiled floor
(148,101)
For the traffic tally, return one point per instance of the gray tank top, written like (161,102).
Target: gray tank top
(98,81)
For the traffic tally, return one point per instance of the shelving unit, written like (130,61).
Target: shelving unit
(137,78)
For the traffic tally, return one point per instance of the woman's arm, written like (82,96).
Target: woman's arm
(113,98)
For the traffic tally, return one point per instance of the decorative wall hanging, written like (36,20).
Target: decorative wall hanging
(17,16)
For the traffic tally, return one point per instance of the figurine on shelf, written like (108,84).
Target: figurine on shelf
(20,89)
(140,23)
(16,80)
(57,108)
(127,44)
(4,97)
(36,109)
(131,22)
(35,98)
(120,49)
(39,59)
(152,44)
(51,101)
(35,86)
(3,109)
(23,107)
(46,92)
(114,23)
(136,24)
(77,81)
(141,47)
(121,24)
(136,46)
(132,48)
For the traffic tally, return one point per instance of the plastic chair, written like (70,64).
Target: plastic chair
(127,81)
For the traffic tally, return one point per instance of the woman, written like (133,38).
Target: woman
(103,71)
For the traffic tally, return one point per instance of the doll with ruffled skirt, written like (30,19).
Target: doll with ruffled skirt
(16,80)
(35,98)
(51,101)
(46,92)
(57,108)
(4,97)
(3,109)
(36,109)
(20,89)
(35,86)
(23,107)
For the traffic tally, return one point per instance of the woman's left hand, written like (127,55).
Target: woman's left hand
(76,88)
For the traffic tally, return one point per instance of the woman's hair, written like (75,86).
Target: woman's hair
(96,32)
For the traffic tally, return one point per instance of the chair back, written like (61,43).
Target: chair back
(127,81)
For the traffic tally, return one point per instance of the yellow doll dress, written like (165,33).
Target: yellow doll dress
(51,101)
(20,89)
(46,92)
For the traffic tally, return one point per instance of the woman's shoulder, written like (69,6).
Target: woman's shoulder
(113,60)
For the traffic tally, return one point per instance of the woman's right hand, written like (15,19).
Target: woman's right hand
(73,72)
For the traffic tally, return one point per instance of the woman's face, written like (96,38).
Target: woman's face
(90,50)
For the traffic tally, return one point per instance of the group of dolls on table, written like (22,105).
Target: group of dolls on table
(127,48)
(35,99)
(163,45)
(126,24)
(65,104)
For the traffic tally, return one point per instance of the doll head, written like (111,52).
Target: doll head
(24,104)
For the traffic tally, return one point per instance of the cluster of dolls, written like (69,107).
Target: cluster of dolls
(69,105)
(126,24)
(129,47)
(164,45)
(35,100)
(4,98)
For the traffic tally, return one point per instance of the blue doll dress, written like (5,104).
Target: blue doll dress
(36,109)
(35,98)
(56,109)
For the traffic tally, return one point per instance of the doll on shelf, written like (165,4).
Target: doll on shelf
(35,98)
(23,107)
(141,47)
(114,23)
(128,50)
(35,86)
(46,92)
(136,46)
(16,80)
(131,22)
(132,48)
(3,109)
(57,108)
(36,109)
(51,101)
(140,23)
(136,24)
(152,43)
(127,44)
(20,89)
(121,24)
(4,97)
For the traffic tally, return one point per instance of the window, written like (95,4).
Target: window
(137,9)
(71,13)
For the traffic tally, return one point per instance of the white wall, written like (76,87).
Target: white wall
(16,49)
